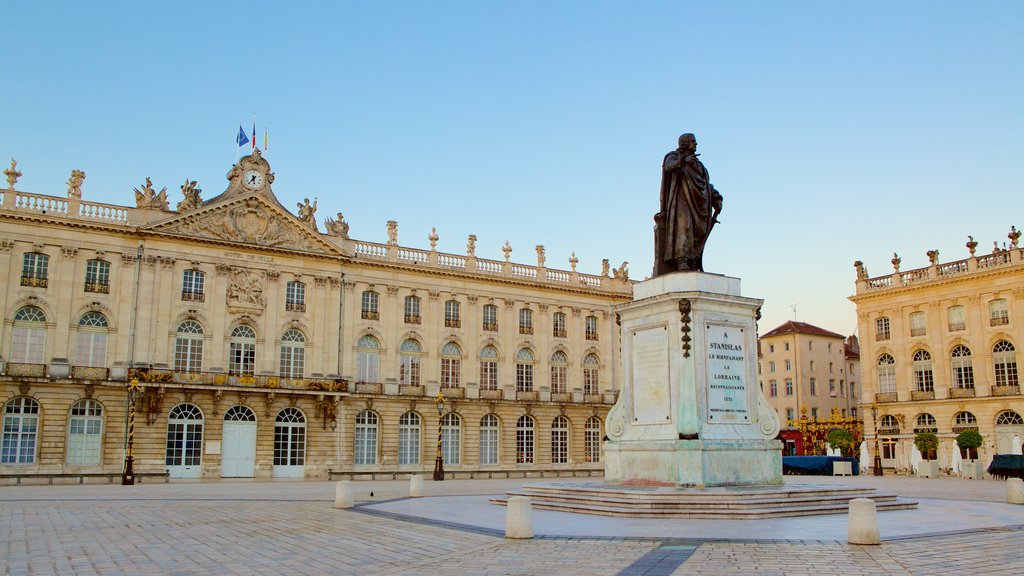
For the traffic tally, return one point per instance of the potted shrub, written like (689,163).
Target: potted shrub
(841,440)
(969,441)
(928,445)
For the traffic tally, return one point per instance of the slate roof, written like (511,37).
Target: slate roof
(794,327)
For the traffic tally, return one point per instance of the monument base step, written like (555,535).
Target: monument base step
(746,502)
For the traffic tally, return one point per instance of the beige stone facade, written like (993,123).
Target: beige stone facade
(265,347)
(941,349)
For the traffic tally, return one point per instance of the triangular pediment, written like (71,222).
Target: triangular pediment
(250,220)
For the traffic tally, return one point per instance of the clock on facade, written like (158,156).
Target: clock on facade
(252,179)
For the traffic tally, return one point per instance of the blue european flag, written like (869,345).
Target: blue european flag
(242,139)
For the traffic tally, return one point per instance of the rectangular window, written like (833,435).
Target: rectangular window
(789,365)
(97,276)
(814,387)
(526,321)
(451,369)
(810,345)
(771,348)
(488,375)
(592,441)
(789,386)
(409,370)
(812,365)
(192,286)
(34,269)
(558,325)
(560,445)
(814,413)
(771,365)
(524,377)
(773,388)
(591,327)
(412,310)
(490,317)
(452,317)
(369,306)
(787,346)
(558,376)
(295,297)
(489,445)
(882,328)
(956,318)
(853,413)
(590,380)
(917,325)
(998,315)
(831,387)
(789,414)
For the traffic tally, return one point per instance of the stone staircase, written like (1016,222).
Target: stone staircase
(722,503)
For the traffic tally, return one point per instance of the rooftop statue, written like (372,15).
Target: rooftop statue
(689,209)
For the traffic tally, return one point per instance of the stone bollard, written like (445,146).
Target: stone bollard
(1015,491)
(343,494)
(863,527)
(415,486)
(518,523)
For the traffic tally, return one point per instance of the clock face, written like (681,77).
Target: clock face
(252,179)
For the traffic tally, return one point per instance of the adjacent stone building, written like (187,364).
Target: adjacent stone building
(940,352)
(264,347)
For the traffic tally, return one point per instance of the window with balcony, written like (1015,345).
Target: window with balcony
(525,321)
(451,365)
(192,286)
(886,374)
(590,370)
(34,268)
(242,350)
(452,314)
(558,325)
(188,347)
(28,336)
(490,317)
(956,318)
(524,370)
(998,313)
(488,368)
(917,324)
(590,327)
(882,328)
(97,276)
(1005,360)
(293,354)
(924,378)
(559,372)
(409,354)
(91,340)
(368,359)
(295,297)
(369,305)
(963,369)
(412,310)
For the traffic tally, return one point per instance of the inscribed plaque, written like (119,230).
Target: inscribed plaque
(726,372)
(651,390)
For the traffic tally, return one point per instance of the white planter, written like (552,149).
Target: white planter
(928,469)
(972,470)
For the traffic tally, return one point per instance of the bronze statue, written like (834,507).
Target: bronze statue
(689,209)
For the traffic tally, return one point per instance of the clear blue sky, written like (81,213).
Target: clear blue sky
(835,131)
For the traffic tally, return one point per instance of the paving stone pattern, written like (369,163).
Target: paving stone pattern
(291,528)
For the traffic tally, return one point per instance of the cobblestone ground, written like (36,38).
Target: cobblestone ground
(246,529)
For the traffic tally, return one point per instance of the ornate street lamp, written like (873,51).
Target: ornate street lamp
(877,467)
(439,462)
(128,473)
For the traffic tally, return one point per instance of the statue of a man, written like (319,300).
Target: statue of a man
(689,209)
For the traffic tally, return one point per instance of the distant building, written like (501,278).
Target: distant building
(804,367)
(940,346)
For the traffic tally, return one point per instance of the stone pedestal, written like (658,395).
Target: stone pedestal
(691,412)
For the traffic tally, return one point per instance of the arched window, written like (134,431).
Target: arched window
(590,370)
(188,347)
(559,372)
(290,438)
(925,423)
(964,421)
(1005,359)
(525,321)
(34,268)
(366,438)
(888,424)
(490,432)
(452,314)
(295,297)
(412,310)
(451,438)
(85,431)
(91,343)
(490,317)
(239,413)
(1009,418)
(20,431)
(558,328)
(28,338)
(524,370)
(963,370)
(592,439)
(184,440)
(242,352)
(293,354)
(451,365)
(886,374)
(409,438)
(560,440)
(369,305)
(367,359)
(409,363)
(488,368)
(524,440)
(924,379)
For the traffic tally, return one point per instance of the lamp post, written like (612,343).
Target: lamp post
(128,473)
(439,462)
(877,466)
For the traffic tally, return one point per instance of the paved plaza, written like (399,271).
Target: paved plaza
(290,527)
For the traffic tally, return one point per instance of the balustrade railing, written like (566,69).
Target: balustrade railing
(158,376)
(450,261)
(103,212)
(370,250)
(41,204)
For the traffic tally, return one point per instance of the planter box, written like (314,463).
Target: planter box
(928,469)
(972,470)
(842,468)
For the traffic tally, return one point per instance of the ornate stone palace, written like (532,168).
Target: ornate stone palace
(263,347)
(939,351)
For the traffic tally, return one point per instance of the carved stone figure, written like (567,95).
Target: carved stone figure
(604,267)
(246,288)
(896,261)
(392,233)
(933,256)
(689,209)
(1014,234)
(622,272)
(862,272)
(471,245)
(971,245)
(432,238)
(149,198)
(541,259)
(12,174)
(507,249)
(75,184)
(337,227)
(192,196)
(307,212)
(573,261)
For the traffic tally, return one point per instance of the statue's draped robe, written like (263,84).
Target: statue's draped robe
(689,204)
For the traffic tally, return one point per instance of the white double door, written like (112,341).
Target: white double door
(238,456)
